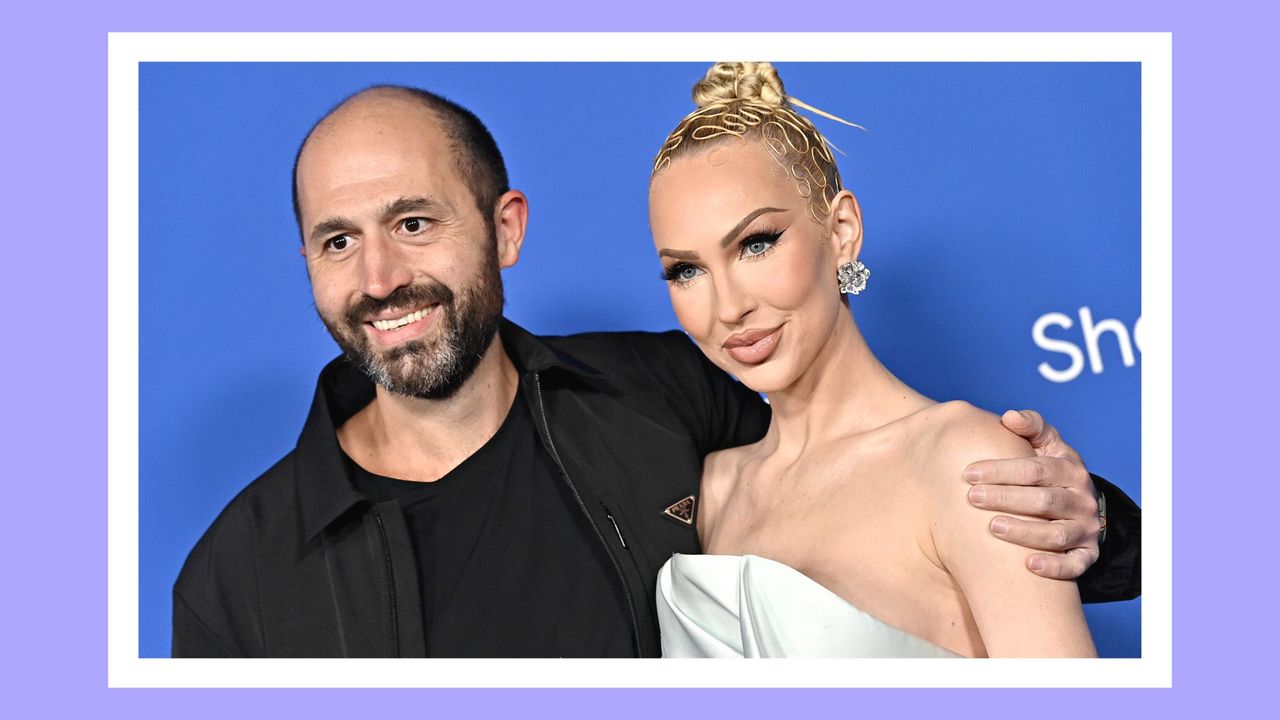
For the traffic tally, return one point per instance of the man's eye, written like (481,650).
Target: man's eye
(338,243)
(414,225)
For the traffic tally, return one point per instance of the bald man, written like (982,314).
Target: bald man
(464,488)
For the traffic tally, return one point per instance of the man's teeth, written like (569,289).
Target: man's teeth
(412,317)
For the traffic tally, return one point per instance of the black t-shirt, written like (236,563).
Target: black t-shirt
(507,563)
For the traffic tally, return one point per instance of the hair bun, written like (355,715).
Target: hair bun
(729,81)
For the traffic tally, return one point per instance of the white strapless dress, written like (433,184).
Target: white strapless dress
(749,606)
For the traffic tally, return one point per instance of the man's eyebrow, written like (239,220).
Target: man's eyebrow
(331,226)
(416,203)
(733,234)
(399,206)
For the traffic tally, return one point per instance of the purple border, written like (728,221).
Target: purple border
(54,535)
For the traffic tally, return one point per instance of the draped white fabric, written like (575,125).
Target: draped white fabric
(749,606)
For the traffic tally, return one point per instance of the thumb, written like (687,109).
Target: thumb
(1027,424)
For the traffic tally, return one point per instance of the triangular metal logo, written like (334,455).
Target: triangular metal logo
(681,511)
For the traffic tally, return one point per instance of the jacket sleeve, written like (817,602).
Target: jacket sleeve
(729,413)
(192,638)
(1117,575)
(215,611)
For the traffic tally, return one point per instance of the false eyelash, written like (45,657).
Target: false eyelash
(772,237)
(672,274)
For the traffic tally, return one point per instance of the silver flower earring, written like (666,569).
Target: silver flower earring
(853,277)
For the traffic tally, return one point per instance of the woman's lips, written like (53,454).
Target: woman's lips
(753,347)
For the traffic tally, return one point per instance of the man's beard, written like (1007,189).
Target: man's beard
(432,368)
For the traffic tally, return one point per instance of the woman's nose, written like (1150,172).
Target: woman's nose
(733,303)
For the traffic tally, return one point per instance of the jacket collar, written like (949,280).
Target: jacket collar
(325,491)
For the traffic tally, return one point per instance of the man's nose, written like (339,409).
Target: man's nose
(732,302)
(385,269)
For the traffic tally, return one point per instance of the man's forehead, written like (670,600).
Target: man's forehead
(379,102)
(380,120)
(386,139)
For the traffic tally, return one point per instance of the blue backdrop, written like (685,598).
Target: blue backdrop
(1002,213)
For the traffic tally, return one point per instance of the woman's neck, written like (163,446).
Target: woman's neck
(845,391)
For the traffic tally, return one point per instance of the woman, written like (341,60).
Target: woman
(842,532)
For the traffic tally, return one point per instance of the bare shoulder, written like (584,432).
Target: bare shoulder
(950,436)
(958,434)
(1017,612)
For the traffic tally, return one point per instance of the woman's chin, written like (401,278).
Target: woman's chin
(772,375)
(766,378)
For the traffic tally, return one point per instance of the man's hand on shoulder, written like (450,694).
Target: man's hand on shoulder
(1017,613)
(1054,487)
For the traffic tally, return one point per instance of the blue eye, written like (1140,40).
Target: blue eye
(681,273)
(758,245)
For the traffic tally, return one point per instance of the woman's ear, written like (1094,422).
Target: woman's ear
(844,223)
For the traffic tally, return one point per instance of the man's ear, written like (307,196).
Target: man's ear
(844,222)
(511,219)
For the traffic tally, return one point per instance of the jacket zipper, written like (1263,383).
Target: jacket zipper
(391,580)
(555,454)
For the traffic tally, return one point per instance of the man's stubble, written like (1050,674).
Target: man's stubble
(434,368)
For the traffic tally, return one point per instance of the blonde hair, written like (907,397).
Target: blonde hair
(747,100)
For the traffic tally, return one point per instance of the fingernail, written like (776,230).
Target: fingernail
(1037,563)
(977,494)
(1023,414)
(1000,526)
(970,474)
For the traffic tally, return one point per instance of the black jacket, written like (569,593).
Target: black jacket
(300,564)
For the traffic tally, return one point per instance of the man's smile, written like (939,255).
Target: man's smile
(387,331)
(413,317)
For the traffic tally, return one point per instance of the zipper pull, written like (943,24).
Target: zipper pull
(614,523)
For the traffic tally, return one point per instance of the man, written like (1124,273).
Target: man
(463,488)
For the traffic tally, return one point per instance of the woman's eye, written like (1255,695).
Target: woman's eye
(758,245)
(681,273)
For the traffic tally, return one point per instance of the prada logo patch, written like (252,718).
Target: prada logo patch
(681,511)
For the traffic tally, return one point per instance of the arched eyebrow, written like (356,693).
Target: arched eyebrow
(744,222)
(399,206)
(728,238)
